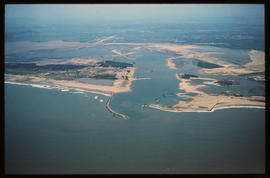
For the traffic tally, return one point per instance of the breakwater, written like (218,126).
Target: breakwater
(112,111)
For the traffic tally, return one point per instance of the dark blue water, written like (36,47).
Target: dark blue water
(49,131)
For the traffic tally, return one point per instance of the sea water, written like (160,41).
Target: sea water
(51,131)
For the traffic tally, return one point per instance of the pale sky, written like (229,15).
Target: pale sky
(162,12)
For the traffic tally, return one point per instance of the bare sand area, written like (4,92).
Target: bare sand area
(184,51)
(189,52)
(204,102)
(257,64)
(163,47)
(207,102)
(101,40)
(73,61)
(257,61)
(119,85)
(170,62)
(125,55)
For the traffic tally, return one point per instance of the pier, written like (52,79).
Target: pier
(114,112)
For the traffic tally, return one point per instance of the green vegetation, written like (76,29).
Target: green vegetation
(114,64)
(230,93)
(207,65)
(68,75)
(187,76)
(66,71)
(105,76)
(226,82)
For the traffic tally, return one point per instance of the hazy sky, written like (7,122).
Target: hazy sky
(155,12)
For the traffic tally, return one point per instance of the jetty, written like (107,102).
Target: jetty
(211,109)
(114,112)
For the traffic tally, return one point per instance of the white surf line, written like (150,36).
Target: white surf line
(239,106)
(16,83)
(175,110)
(58,87)
(217,108)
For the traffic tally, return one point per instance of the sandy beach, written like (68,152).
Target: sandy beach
(189,52)
(119,86)
(255,65)
(203,102)
(170,109)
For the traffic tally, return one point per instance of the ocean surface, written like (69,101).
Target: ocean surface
(56,132)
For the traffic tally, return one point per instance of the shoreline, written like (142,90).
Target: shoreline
(164,108)
(58,87)
(154,106)
(77,91)
(120,85)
